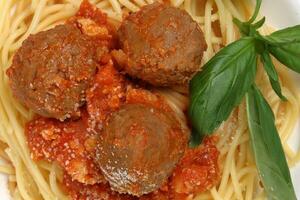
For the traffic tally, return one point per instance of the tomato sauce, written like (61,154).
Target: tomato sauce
(93,23)
(106,95)
(197,172)
(89,11)
(79,191)
(71,144)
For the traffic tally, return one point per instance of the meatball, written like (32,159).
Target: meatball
(139,148)
(161,45)
(52,70)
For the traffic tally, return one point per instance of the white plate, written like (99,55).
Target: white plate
(280,14)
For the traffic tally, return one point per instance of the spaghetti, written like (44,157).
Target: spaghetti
(40,180)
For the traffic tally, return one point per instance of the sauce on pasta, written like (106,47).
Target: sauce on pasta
(127,142)
(224,168)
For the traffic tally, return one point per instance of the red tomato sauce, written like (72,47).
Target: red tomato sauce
(79,191)
(197,172)
(89,11)
(106,95)
(71,144)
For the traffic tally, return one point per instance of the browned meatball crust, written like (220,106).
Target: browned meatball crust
(161,45)
(139,148)
(52,70)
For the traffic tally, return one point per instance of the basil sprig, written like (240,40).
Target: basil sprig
(229,76)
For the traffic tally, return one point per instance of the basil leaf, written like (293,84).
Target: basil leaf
(267,148)
(221,85)
(272,73)
(288,54)
(259,24)
(195,139)
(284,36)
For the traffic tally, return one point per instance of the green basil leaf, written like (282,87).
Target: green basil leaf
(284,36)
(272,73)
(288,54)
(259,24)
(221,85)
(267,149)
(195,139)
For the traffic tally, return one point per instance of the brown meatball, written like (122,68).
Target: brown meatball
(161,45)
(139,148)
(52,70)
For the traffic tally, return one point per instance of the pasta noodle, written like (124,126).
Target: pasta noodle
(31,180)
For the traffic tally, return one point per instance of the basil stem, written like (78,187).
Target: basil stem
(256,11)
(247,28)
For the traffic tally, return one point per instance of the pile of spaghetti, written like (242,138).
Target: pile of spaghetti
(239,179)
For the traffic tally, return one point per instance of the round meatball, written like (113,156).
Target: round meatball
(139,148)
(52,70)
(161,45)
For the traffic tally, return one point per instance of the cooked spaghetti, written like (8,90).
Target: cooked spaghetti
(29,179)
